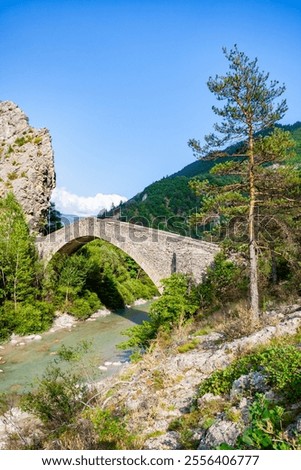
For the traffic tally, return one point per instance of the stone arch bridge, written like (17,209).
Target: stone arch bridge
(159,253)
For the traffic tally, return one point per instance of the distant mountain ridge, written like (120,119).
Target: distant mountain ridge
(168,203)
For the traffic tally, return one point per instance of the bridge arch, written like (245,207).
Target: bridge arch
(157,252)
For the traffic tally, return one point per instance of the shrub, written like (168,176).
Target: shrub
(111,430)
(225,282)
(140,336)
(188,346)
(177,304)
(58,398)
(7,320)
(280,365)
(185,426)
(12,176)
(82,308)
(33,318)
(59,395)
(20,141)
(265,430)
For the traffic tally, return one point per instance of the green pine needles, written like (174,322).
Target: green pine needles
(260,206)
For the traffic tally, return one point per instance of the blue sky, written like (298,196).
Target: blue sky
(121,85)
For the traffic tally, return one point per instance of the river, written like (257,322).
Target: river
(26,363)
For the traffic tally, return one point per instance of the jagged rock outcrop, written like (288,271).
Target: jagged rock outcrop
(26,163)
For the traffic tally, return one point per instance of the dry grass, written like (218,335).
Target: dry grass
(237,322)
(76,437)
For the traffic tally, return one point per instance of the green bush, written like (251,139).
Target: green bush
(33,318)
(59,395)
(188,346)
(140,336)
(265,430)
(82,308)
(21,141)
(57,399)
(177,304)
(225,282)
(111,430)
(7,320)
(25,318)
(280,365)
(93,301)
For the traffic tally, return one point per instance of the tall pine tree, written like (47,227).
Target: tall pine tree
(252,106)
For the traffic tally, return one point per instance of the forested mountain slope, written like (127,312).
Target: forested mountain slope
(168,203)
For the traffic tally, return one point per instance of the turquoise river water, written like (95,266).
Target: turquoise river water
(25,364)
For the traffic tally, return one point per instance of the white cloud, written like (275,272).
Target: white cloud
(68,203)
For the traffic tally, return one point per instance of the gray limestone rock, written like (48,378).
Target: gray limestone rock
(13,422)
(252,381)
(26,163)
(168,441)
(219,433)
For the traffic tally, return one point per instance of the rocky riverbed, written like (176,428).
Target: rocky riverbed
(163,386)
(25,358)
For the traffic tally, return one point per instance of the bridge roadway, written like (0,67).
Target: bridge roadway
(159,253)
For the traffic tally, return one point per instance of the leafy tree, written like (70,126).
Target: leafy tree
(72,277)
(18,259)
(251,106)
(225,282)
(65,278)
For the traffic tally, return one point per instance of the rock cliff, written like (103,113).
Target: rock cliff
(26,163)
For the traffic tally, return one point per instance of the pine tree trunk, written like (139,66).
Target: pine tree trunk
(274,266)
(254,296)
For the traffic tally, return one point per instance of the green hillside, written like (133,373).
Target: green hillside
(165,204)
(200,167)
(168,203)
